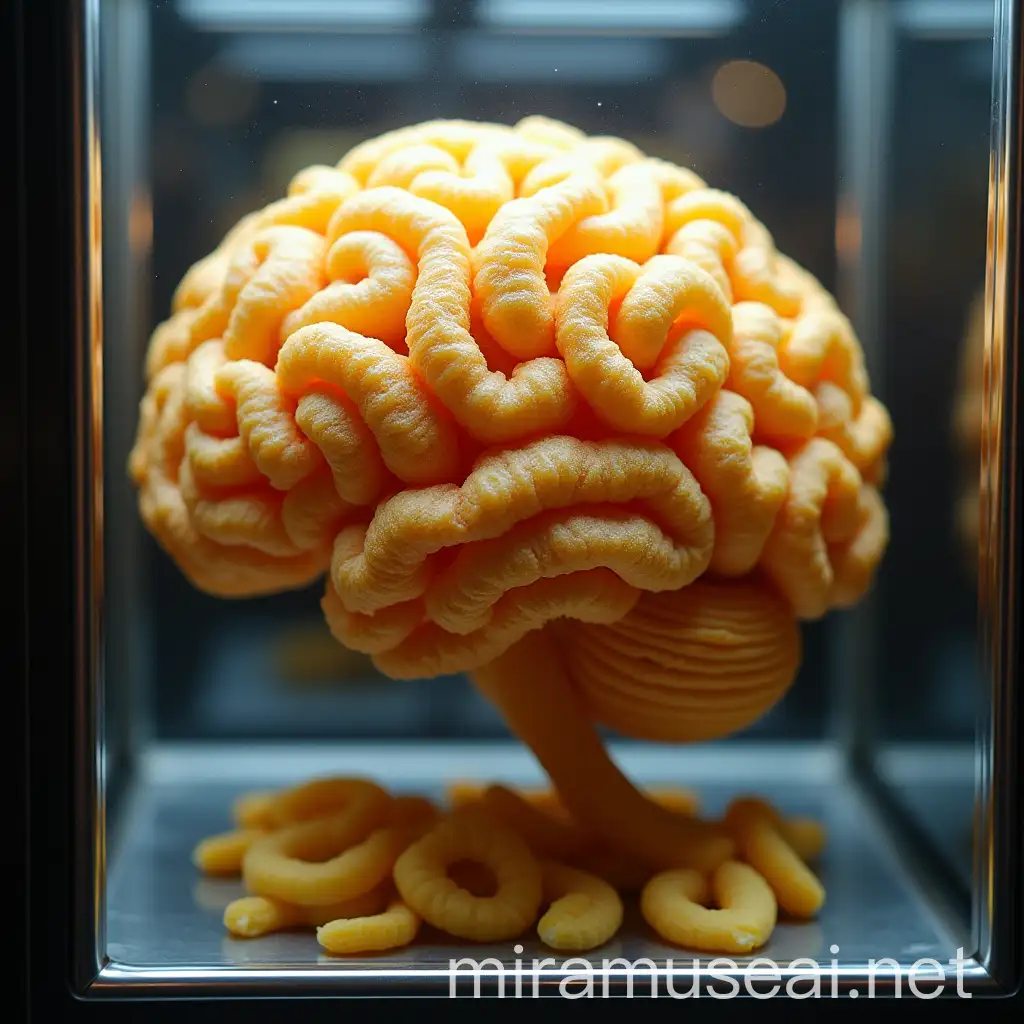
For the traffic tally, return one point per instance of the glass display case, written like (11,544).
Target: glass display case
(879,145)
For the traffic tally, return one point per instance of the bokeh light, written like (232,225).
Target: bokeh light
(748,94)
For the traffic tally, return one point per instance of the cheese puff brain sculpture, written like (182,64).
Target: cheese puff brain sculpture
(542,410)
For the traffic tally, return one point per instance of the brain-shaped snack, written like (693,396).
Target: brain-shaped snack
(505,386)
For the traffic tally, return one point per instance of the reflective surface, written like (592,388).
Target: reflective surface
(163,917)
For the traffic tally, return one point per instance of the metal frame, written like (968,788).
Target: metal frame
(64,540)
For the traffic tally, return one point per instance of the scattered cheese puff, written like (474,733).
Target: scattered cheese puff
(252,916)
(584,912)
(221,855)
(394,927)
(762,843)
(421,875)
(483,871)
(743,918)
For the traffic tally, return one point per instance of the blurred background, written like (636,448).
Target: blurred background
(857,132)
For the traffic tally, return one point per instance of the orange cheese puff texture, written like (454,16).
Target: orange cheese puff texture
(762,843)
(805,836)
(584,911)
(421,876)
(159,466)
(392,928)
(315,798)
(675,904)
(335,840)
(221,855)
(699,663)
(556,527)
(253,810)
(493,375)
(413,810)
(829,535)
(442,349)
(252,916)
(323,861)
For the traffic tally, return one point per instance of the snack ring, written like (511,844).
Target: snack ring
(584,912)
(541,409)
(326,859)
(421,875)
(672,903)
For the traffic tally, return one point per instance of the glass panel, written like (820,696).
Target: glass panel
(934,258)
(210,107)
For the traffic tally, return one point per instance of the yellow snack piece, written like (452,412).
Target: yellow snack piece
(539,408)
(749,258)
(486,867)
(584,912)
(632,228)
(221,855)
(250,917)
(424,884)
(321,797)
(332,841)
(396,926)
(156,466)
(416,443)
(744,917)
(254,810)
(805,836)
(510,261)
(279,270)
(764,846)
(322,861)
(520,564)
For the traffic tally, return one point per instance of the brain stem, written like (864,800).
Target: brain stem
(533,692)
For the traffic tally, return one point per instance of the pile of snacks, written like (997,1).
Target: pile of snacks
(366,869)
